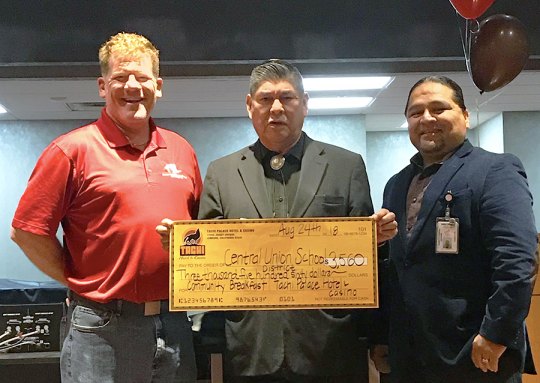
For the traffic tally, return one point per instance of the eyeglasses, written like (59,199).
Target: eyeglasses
(285,99)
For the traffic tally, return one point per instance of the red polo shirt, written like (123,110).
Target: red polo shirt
(109,198)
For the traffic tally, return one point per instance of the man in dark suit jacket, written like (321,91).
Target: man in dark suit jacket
(462,266)
(287,174)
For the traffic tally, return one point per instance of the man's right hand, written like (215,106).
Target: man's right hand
(379,355)
(43,251)
(164,230)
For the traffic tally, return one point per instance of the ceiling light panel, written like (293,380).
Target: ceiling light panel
(339,102)
(346,83)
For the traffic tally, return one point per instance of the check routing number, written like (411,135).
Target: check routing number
(252,264)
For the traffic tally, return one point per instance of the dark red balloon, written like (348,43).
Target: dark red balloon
(499,51)
(471,9)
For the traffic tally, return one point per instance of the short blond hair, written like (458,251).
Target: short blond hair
(129,45)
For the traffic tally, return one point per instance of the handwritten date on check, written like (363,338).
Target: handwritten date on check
(266,264)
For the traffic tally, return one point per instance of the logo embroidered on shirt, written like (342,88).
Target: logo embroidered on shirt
(170,170)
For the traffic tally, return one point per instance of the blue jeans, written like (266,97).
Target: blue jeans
(117,343)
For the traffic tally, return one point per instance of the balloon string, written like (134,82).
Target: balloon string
(469,32)
(464,40)
(477,117)
(491,98)
(468,37)
(482,104)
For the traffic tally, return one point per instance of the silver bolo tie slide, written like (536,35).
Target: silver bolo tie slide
(277,162)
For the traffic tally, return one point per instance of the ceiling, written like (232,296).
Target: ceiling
(224,96)
(208,48)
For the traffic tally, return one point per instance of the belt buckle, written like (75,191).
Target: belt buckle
(152,308)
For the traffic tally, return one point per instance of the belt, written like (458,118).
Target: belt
(120,306)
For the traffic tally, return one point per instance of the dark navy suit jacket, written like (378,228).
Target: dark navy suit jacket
(439,302)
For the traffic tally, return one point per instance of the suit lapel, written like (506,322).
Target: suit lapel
(437,187)
(311,174)
(252,175)
(399,193)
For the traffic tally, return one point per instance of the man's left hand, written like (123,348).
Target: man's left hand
(485,354)
(387,226)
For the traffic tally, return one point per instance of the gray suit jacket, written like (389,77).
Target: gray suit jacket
(333,183)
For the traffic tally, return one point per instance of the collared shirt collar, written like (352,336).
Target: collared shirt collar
(297,151)
(418,162)
(423,172)
(115,138)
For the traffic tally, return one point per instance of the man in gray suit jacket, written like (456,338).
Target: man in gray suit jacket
(463,263)
(287,174)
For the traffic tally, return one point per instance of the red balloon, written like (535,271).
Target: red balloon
(471,9)
(499,51)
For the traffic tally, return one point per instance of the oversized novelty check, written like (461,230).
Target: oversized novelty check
(252,264)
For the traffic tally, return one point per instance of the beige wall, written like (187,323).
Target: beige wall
(533,325)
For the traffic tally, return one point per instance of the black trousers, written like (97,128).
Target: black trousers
(294,378)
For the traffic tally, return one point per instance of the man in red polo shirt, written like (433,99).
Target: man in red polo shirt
(109,183)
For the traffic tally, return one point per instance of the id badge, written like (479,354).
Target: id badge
(447,235)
